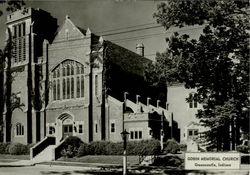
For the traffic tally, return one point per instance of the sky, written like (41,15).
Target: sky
(124,22)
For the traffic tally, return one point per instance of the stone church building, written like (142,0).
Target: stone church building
(68,81)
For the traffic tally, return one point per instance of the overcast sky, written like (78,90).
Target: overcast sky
(103,15)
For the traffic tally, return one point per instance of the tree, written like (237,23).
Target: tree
(216,64)
(5,56)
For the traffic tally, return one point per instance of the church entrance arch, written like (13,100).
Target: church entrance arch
(67,124)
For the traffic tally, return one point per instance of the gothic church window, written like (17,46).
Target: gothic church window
(72,82)
(19,129)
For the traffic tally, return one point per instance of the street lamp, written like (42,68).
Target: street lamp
(124,135)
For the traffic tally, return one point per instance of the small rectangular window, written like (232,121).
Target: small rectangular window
(70,128)
(51,130)
(96,128)
(80,129)
(112,127)
(140,134)
(191,105)
(131,134)
(136,134)
(65,129)
(195,132)
(190,132)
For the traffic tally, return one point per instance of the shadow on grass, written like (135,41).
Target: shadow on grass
(55,173)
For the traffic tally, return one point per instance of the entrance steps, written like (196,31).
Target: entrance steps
(46,155)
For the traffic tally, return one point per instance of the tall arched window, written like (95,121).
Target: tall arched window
(68,78)
(19,129)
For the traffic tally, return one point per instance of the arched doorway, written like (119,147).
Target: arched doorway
(67,125)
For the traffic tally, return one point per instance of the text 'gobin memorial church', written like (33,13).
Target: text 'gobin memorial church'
(70,82)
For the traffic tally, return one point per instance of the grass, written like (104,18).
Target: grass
(13,158)
(103,159)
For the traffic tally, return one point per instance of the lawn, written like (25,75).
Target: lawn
(103,159)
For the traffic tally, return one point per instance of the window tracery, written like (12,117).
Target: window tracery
(68,80)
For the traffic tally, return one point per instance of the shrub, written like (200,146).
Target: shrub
(183,147)
(149,147)
(69,152)
(18,149)
(115,148)
(171,146)
(144,147)
(70,146)
(99,147)
(84,150)
(4,148)
(73,141)
(243,148)
(173,161)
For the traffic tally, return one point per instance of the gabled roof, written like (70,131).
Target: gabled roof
(82,30)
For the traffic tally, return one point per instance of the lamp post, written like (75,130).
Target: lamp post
(124,135)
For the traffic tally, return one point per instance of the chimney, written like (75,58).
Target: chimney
(140,49)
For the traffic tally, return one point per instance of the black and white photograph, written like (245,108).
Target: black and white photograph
(124,87)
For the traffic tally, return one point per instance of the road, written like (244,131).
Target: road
(73,170)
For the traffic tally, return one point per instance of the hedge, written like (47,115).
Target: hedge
(18,149)
(4,148)
(143,147)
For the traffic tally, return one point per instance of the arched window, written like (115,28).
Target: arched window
(69,80)
(19,129)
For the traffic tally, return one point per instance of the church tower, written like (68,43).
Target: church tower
(28,30)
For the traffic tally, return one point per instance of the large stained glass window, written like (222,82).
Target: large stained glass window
(68,80)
